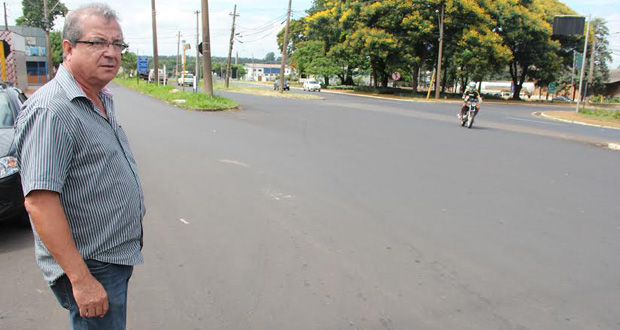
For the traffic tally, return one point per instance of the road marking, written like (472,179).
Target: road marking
(535,121)
(184,221)
(234,162)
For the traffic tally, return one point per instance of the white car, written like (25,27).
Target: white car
(186,80)
(312,85)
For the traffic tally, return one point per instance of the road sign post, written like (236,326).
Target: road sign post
(143,65)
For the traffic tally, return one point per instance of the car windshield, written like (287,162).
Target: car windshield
(6,115)
(189,76)
(312,82)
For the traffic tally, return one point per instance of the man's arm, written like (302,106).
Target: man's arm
(50,221)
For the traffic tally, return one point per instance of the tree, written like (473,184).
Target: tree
(270,57)
(602,56)
(33,13)
(129,62)
(525,27)
(56,42)
(295,36)
(480,52)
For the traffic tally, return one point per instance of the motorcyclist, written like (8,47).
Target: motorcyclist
(471,92)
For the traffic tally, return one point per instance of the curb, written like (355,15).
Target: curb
(542,114)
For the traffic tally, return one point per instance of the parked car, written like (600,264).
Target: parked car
(311,86)
(160,76)
(560,99)
(11,195)
(276,85)
(186,80)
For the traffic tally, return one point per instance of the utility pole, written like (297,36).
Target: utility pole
(6,24)
(439,59)
(583,64)
(591,73)
(176,69)
(48,44)
(155,55)
(232,39)
(197,12)
(572,76)
(206,49)
(284,47)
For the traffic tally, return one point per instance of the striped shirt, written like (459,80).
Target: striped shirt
(64,144)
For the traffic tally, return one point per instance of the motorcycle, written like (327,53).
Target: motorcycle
(468,116)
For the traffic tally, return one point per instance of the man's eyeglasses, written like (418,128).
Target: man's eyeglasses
(101,45)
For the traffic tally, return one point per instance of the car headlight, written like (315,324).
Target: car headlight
(8,166)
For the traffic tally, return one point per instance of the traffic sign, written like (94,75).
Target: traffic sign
(552,87)
(396,76)
(578,60)
(143,64)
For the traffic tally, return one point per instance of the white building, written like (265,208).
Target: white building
(264,72)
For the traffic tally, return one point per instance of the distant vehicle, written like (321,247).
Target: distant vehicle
(311,86)
(276,85)
(161,75)
(561,99)
(186,80)
(11,195)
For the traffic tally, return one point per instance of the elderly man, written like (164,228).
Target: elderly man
(80,178)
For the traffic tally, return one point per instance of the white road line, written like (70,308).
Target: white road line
(535,121)
(184,221)
(234,162)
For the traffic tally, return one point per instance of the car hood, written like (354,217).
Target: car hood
(6,141)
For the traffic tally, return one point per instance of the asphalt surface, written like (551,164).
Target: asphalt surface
(357,213)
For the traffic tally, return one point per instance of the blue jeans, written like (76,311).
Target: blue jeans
(114,279)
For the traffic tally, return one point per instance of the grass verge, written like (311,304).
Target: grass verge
(600,119)
(174,96)
(236,88)
(601,114)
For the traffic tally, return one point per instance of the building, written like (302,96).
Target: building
(13,59)
(36,53)
(612,86)
(264,72)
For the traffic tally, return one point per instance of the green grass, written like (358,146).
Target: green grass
(601,114)
(183,99)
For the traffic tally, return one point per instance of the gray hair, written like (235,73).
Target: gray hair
(72,30)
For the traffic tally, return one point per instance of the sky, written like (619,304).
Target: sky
(258,23)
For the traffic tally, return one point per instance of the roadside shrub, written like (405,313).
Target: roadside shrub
(601,113)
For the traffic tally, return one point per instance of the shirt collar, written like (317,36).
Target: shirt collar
(71,87)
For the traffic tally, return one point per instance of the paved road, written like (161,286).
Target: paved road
(354,213)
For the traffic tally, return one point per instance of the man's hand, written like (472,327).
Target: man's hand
(91,297)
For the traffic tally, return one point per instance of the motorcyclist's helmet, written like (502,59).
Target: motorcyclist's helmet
(472,85)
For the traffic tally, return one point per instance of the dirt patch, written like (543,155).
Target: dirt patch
(582,119)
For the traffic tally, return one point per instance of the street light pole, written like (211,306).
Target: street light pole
(232,40)
(439,59)
(583,64)
(284,47)
(155,55)
(197,50)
